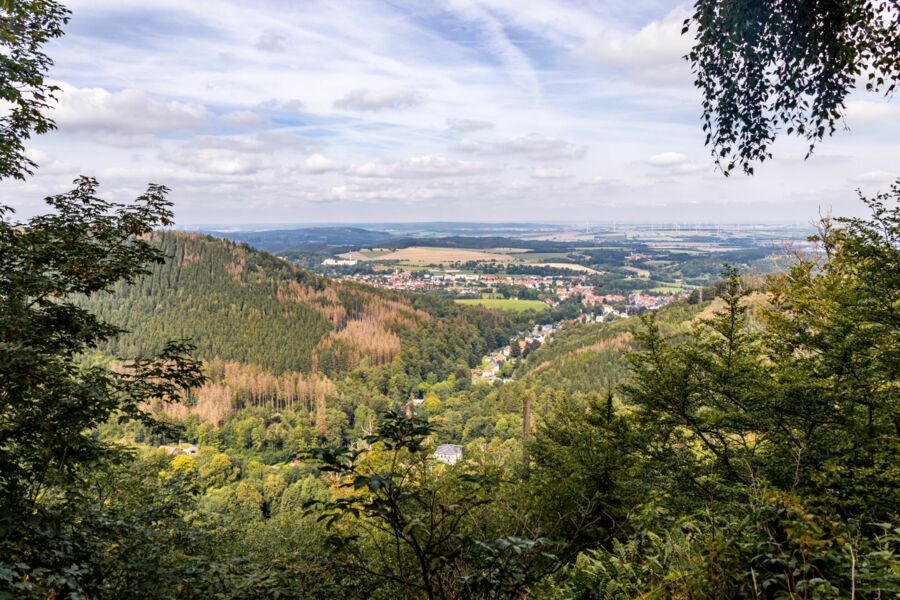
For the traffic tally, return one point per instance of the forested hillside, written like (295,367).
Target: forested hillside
(243,305)
(235,303)
(593,357)
(274,336)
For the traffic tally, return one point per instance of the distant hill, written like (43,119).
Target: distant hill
(484,242)
(244,305)
(277,240)
(338,238)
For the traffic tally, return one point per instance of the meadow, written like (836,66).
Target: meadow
(506,304)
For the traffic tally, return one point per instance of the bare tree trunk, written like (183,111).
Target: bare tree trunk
(526,426)
(321,418)
(319,394)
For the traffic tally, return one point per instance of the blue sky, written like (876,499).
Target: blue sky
(465,110)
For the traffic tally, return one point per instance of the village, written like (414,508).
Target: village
(454,281)
(551,289)
(500,365)
(561,299)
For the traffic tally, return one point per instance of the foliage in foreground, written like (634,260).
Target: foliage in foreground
(751,457)
(767,455)
(785,67)
(392,495)
(49,401)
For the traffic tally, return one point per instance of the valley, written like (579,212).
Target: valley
(329,354)
(446,301)
(596,270)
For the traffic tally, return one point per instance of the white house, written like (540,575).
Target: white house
(189,449)
(448,453)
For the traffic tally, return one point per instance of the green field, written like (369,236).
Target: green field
(511,304)
(372,253)
(671,288)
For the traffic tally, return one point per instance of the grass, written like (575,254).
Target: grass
(374,253)
(671,287)
(507,304)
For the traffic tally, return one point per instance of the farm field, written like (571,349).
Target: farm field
(429,256)
(671,288)
(506,304)
(373,253)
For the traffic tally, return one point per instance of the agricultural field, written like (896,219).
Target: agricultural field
(431,256)
(671,288)
(374,253)
(506,304)
(419,256)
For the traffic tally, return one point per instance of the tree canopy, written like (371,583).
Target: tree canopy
(25,27)
(770,66)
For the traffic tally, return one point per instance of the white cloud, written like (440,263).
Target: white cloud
(374,100)
(422,167)
(654,53)
(550,173)
(675,163)
(247,154)
(468,146)
(129,111)
(875,177)
(217,161)
(38,156)
(318,164)
(410,193)
(667,159)
(467,125)
(537,147)
(289,106)
(263,143)
(867,112)
(691,167)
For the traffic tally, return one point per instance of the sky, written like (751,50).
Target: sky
(376,111)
